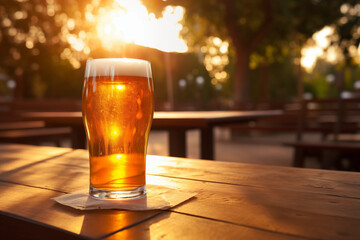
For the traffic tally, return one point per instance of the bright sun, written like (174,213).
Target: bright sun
(130,22)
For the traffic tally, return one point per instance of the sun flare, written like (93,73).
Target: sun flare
(130,22)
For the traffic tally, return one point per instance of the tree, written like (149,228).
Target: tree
(33,39)
(253,27)
(347,31)
(341,55)
(58,34)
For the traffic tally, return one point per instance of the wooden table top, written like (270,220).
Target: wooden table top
(208,118)
(234,200)
(166,119)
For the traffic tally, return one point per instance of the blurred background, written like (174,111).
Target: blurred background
(204,54)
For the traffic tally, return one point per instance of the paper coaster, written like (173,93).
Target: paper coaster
(157,197)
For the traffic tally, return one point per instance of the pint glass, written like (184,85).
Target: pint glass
(117,108)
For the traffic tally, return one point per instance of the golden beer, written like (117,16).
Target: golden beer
(117,105)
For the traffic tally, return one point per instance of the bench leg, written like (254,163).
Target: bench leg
(299,157)
(177,143)
(207,144)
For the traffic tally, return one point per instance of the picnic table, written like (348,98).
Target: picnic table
(176,123)
(233,201)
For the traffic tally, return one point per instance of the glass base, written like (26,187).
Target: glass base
(117,194)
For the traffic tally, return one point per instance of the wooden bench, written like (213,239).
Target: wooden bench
(330,152)
(14,130)
(21,125)
(284,123)
(48,105)
(287,122)
(35,136)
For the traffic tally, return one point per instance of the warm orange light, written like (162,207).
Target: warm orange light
(309,57)
(115,132)
(130,22)
(122,22)
(316,49)
(215,60)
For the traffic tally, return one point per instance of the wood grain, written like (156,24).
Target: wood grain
(35,206)
(296,213)
(179,226)
(307,180)
(234,200)
(14,156)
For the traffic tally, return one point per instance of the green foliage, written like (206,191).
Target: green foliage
(292,23)
(193,92)
(31,44)
(282,77)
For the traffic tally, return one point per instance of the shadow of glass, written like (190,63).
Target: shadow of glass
(141,230)
(104,223)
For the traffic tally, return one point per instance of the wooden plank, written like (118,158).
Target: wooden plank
(306,180)
(300,180)
(46,105)
(35,208)
(32,133)
(14,156)
(21,125)
(201,119)
(295,213)
(269,210)
(179,226)
(348,146)
(64,175)
(226,195)
(313,203)
(57,118)
(49,175)
(163,164)
(260,207)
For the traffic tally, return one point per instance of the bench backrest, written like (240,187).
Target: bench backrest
(329,116)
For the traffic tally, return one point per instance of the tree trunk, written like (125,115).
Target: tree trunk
(241,79)
(19,89)
(243,48)
(264,84)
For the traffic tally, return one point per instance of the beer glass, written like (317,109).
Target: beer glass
(117,108)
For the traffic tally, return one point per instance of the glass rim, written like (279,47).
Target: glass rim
(118,67)
(118,59)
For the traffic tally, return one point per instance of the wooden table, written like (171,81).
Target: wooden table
(176,123)
(234,201)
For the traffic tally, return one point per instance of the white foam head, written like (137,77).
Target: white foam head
(110,67)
